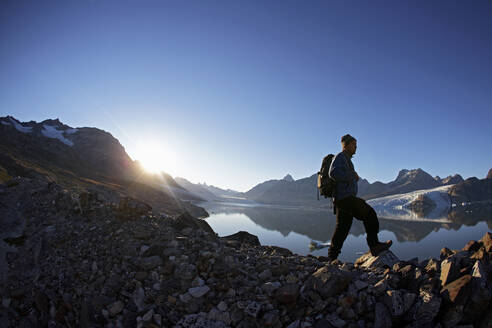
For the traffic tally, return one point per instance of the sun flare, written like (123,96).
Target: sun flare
(156,158)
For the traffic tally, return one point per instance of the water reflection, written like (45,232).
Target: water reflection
(290,227)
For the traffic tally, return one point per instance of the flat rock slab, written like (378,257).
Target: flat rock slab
(450,271)
(472,246)
(385,259)
(458,291)
(479,274)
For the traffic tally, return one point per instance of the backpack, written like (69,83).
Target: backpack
(326,185)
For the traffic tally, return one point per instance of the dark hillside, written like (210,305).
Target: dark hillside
(83,159)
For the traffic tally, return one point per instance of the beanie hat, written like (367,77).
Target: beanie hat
(346,139)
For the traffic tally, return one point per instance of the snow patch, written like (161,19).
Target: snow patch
(20,127)
(6,123)
(52,132)
(71,131)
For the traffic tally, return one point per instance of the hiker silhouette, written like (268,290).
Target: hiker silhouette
(347,205)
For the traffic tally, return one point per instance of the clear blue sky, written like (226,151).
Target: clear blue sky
(238,92)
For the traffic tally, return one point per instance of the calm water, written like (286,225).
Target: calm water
(297,228)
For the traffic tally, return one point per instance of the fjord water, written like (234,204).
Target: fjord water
(296,228)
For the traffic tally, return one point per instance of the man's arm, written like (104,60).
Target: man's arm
(339,170)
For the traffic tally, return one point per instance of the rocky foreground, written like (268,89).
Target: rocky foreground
(75,260)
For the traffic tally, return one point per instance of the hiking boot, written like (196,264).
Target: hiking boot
(331,258)
(380,247)
(332,255)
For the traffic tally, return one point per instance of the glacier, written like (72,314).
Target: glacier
(397,206)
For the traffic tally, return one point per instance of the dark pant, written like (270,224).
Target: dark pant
(346,210)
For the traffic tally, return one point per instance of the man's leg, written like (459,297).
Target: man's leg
(342,228)
(365,213)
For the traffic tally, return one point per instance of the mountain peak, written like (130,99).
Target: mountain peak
(288,178)
(413,176)
(413,172)
(19,126)
(53,122)
(489,175)
(452,179)
(402,174)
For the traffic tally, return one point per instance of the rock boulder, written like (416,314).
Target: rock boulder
(186,220)
(131,208)
(383,260)
(487,241)
(243,237)
(450,270)
(458,291)
(329,281)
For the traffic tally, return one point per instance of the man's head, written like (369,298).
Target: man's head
(349,144)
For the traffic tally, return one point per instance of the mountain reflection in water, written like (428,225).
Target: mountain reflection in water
(307,231)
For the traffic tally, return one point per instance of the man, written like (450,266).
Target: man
(347,205)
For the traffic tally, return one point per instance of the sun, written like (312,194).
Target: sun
(156,158)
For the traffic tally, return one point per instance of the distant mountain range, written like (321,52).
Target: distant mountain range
(286,191)
(406,181)
(207,192)
(303,192)
(92,158)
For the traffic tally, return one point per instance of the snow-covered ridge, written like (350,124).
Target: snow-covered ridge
(60,132)
(397,206)
(19,127)
(52,132)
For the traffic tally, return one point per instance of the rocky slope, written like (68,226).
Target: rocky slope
(90,152)
(450,180)
(472,190)
(85,159)
(78,261)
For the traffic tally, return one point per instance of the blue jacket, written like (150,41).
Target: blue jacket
(342,171)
